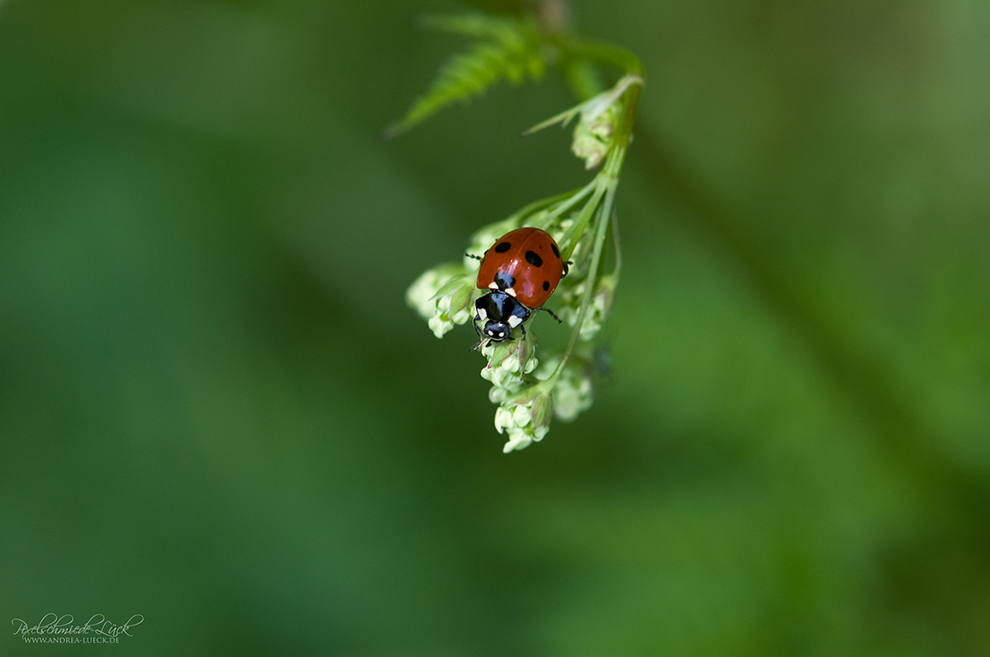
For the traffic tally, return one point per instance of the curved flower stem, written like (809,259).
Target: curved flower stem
(599,211)
(568,201)
(607,53)
(573,234)
(560,203)
(596,255)
(617,270)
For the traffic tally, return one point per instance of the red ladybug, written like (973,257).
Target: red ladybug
(522,269)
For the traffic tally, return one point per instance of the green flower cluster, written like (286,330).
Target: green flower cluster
(528,393)
(593,137)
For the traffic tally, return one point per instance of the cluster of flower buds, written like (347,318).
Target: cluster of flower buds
(528,393)
(443,296)
(593,137)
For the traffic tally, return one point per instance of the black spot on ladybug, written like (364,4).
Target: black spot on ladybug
(502,247)
(533,259)
(546,285)
(555,251)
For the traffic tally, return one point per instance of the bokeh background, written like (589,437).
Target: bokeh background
(216,410)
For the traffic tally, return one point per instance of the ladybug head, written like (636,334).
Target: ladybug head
(501,313)
(497,331)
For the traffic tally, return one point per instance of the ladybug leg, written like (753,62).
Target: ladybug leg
(482,339)
(477,329)
(566,264)
(552,314)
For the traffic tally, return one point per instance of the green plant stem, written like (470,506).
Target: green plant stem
(565,199)
(602,203)
(601,233)
(565,204)
(574,233)
(599,52)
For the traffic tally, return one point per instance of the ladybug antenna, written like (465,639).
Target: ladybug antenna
(471,255)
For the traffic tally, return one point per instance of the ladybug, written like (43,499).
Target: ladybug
(522,269)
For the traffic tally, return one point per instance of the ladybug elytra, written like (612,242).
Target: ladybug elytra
(522,269)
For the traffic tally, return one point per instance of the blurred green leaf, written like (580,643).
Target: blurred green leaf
(507,49)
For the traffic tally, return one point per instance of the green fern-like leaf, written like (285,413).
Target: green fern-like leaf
(506,49)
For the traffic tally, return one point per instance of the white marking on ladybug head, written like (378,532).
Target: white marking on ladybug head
(514,321)
(511,292)
(493,285)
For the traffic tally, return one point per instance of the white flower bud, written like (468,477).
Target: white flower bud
(593,139)
(572,395)
(442,296)
(597,313)
(517,422)
(573,392)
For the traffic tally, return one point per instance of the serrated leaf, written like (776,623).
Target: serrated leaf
(506,50)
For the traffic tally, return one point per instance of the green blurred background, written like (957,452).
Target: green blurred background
(216,410)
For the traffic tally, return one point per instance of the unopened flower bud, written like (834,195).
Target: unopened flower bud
(442,296)
(517,422)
